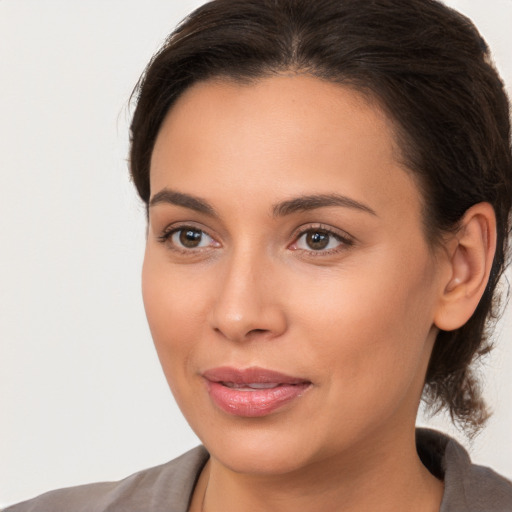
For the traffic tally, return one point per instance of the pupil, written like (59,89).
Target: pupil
(190,237)
(317,240)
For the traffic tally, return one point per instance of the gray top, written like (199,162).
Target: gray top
(168,488)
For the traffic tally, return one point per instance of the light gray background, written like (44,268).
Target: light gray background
(82,396)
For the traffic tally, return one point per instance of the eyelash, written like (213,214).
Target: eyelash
(169,232)
(345,240)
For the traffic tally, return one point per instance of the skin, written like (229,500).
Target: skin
(358,319)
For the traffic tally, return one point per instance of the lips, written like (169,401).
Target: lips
(252,392)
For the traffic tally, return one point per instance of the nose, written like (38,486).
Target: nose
(247,305)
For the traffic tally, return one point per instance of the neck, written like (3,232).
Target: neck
(376,476)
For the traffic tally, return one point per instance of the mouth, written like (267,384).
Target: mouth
(252,392)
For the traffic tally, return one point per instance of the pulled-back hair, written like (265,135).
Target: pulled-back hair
(429,69)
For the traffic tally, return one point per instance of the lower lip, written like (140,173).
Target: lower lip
(256,403)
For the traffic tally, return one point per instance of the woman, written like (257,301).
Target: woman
(328,188)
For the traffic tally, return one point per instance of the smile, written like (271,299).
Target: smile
(252,392)
(252,386)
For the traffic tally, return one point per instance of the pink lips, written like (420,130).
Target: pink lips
(253,391)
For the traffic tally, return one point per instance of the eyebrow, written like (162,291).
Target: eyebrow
(312,202)
(185,200)
(297,204)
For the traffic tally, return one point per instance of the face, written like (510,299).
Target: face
(287,282)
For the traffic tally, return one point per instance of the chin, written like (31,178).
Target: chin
(260,454)
(262,446)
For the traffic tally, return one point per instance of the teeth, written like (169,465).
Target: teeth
(251,385)
(231,385)
(261,385)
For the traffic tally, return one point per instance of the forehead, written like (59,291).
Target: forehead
(282,135)
(290,102)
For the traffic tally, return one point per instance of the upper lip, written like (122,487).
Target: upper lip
(250,375)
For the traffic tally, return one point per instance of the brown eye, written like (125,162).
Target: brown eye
(317,240)
(320,240)
(190,238)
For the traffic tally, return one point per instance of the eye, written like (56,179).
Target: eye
(317,240)
(191,238)
(320,240)
(187,238)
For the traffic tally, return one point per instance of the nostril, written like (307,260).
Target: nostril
(246,321)
(256,331)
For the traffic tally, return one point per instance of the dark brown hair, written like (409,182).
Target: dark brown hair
(428,68)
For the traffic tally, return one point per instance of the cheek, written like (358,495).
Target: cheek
(174,305)
(372,333)
(174,296)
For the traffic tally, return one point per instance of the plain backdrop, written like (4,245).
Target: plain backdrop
(82,395)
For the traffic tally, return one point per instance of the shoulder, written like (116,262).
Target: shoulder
(153,490)
(468,487)
(479,487)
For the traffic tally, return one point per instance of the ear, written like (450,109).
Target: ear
(470,254)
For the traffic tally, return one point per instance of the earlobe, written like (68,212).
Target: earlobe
(471,255)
